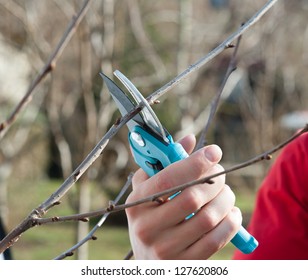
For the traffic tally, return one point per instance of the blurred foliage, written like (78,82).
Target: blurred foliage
(150,42)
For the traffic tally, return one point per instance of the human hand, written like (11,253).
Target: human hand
(160,231)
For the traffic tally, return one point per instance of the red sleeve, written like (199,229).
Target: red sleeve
(280,219)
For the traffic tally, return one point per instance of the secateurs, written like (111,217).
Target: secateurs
(152,146)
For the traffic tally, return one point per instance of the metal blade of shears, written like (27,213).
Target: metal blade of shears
(146,118)
(123,103)
(147,113)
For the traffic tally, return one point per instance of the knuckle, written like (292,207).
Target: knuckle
(143,234)
(191,200)
(208,219)
(233,220)
(220,179)
(200,165)
(130,210)
(130,198)
(237,218)
(214,245)
(162,182)
(230,194)
(217,168)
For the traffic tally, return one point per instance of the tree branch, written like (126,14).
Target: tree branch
(47,68)
(155,197)
(91,236)
(211,55)
(214,105)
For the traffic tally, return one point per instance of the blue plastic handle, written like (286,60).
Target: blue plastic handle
(152,155)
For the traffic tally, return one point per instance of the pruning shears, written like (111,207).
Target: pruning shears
(152,146)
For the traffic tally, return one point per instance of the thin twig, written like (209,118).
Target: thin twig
(214,105)
(129,255)
(211,55)
(91,236)
(47,68)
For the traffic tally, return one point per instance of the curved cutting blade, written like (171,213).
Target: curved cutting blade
(148,115)
(122,101)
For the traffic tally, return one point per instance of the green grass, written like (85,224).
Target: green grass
(245,200)
(48,241)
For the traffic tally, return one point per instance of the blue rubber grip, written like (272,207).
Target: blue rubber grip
(244,241)
(150,152)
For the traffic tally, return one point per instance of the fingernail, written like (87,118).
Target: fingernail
(213,153)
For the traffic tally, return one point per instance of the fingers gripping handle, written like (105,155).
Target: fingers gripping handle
(243,240)
(152,152)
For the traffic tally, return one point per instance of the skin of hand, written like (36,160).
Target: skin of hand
(160,231)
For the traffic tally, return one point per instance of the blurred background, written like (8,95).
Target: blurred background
(151,42)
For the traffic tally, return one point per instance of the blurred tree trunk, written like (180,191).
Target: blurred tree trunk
(5,172)
(83,227)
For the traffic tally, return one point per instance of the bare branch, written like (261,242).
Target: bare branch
(90,236)
(47,68)
(211,55)
(155,197)
(54,199)
(129,255)
(214,105)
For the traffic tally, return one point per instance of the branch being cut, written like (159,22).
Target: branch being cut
(156,197)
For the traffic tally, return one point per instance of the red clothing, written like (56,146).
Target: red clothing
(280,218)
